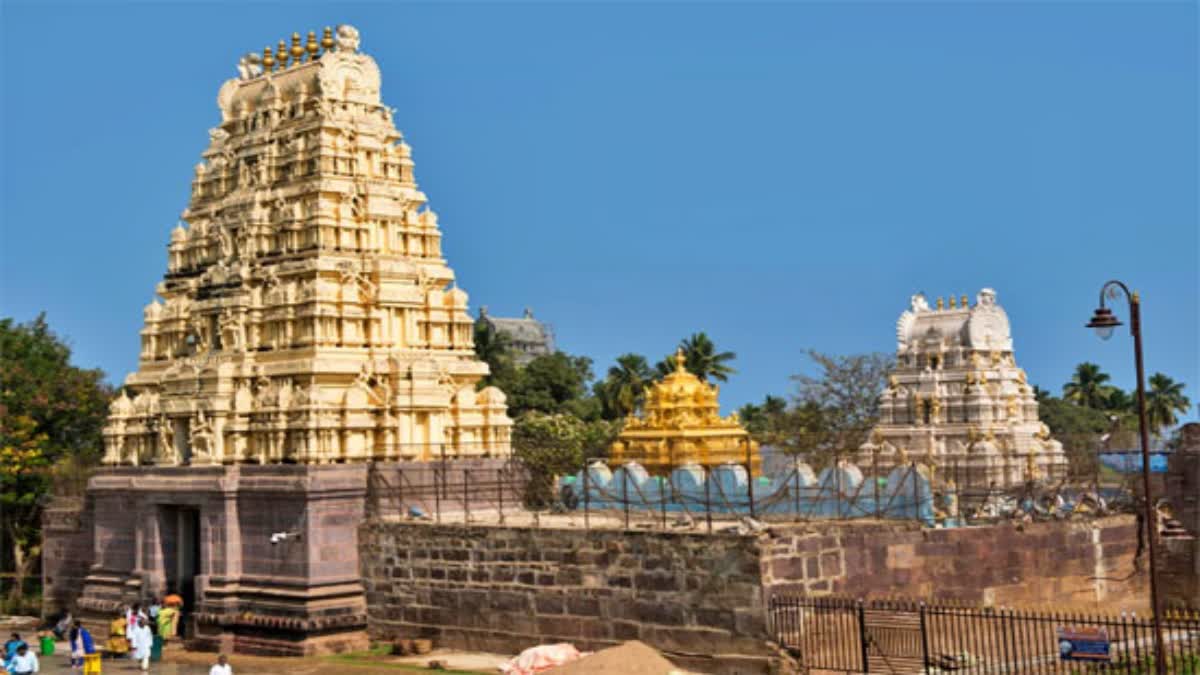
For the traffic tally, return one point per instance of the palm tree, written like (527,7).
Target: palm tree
(624,387)
(1087,387)
(1164,399)
(701,358)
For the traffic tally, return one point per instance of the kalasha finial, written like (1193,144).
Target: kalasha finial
(327,39)
(941,303)
(311,46)
(964,301)
(281,53)
(953,302)
(297,49)
(680,359)
(268,59)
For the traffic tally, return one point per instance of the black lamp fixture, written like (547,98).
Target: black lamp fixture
(1104,321)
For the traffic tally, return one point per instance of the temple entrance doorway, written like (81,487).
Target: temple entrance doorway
(180,528)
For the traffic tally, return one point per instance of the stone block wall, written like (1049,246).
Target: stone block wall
(1180,563)
(1076,564)
(692,596)
(66,552)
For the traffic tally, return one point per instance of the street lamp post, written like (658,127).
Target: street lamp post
(1104,322)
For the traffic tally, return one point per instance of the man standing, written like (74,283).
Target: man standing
(24,662)
(221,667)
(141,640)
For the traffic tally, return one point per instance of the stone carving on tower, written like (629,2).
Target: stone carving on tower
(307,314)
(957,399)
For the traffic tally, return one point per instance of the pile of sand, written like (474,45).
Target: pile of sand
(631,658)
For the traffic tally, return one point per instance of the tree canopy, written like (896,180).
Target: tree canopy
(51,413)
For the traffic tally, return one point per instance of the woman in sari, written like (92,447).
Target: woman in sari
(166,622)
(117,642)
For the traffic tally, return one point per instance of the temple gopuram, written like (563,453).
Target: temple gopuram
(957,400)
(308,351)
(682,424)
(307,314)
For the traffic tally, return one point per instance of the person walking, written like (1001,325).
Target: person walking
(221,667)
(141,640)
(118,640)
(24,662)
(76,648)
(84,646)
(167,616)
(175,602)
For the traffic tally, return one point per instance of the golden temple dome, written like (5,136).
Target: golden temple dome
(682,423)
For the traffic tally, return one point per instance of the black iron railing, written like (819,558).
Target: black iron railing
(848,635)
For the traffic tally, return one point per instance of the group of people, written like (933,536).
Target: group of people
(19,659)
(133,631)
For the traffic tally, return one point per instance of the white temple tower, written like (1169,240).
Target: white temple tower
(307,314)
(958,401)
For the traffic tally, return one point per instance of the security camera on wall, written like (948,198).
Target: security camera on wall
(278,537)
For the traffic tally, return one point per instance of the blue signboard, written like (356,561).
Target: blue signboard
(1085,643)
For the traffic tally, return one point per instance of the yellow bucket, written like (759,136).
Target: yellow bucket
(91,664)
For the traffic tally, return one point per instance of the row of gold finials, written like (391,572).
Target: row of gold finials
(299,53)
(941,303)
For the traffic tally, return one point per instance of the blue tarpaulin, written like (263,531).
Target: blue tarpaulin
(1130,461)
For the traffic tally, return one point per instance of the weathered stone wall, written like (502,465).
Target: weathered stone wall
(66,552)
(504,589)
(1180,564)
(1077,564)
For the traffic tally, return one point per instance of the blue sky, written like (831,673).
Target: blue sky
(782,176)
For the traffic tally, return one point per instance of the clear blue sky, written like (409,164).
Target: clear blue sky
(782,176)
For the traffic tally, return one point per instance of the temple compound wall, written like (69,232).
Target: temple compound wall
(1180,564)
(702,599)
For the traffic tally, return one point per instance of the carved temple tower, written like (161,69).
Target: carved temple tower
(307,313)
(309,348)
(958,401)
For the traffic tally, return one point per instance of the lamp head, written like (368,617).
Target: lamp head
(1104,322)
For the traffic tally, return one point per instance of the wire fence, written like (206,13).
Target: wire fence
(848,635)
(537,486)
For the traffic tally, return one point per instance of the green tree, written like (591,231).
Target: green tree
(1082,431)
(552,445)
(553,383)
(701,359)
(760,420)
(495,349)
(623,389)
(1164,399)
(51,413)
(1088,387)
(837,408)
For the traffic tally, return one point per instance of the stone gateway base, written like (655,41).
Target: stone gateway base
(266,556)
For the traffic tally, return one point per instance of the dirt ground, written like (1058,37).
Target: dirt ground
(179,662)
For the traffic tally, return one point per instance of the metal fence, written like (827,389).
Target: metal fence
(728,496)
(848,635)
